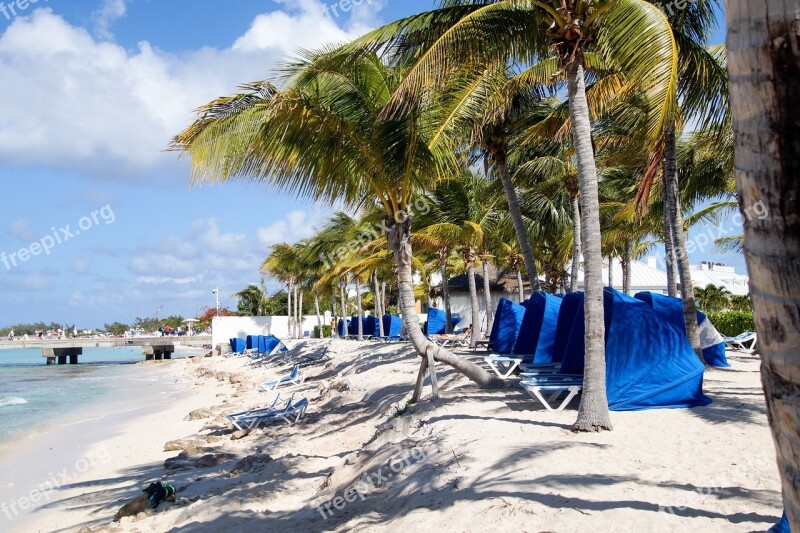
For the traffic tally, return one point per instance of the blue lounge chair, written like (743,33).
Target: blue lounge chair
(237,346)
(295,378)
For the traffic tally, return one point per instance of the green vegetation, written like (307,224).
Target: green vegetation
(732,323)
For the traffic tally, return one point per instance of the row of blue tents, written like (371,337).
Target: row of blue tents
(260,343)
(392,326)
(649,362)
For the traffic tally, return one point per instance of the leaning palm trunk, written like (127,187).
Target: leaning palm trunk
(378,310)
(764,66)
(319,317)
(519,288)
(360,309)
(679,239)
(593,413)
(487,294)
(473,300)
(516,217)
(576,243)
(399,238)
(446,293)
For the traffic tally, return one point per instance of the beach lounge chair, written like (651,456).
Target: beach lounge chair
(548,389)
(295,378)
(745,342)
(503,365)
(243,419)
(291,413)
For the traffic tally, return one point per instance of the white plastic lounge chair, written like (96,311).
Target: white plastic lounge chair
(745,342)
(290,413)
(502,365)
(295,378)
(554,388)
(250,418)
(540,368)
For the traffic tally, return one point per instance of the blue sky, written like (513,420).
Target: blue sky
(92,90)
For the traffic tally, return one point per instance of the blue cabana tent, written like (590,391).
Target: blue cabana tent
(437,321)
(505,330)
(571,304)
(343,328)
(251,343)
(392,326)
(237,345)
(538,330)
(649,364)
(782,526)
(371,328)
(670,309)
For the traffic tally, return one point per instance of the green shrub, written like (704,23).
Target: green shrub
(325,329)
(732,323)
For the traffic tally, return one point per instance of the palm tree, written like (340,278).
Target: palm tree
(283,265)
(764,64)
(703,90)
(632,35)
(713,298)
(328,136)
(251,301)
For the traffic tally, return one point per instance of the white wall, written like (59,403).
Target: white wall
(225,328)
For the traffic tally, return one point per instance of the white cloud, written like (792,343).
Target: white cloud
(21,229)
(110,111)
(110,11)
(296,226)
(82,265)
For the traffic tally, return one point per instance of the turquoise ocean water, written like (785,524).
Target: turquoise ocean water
(34,396)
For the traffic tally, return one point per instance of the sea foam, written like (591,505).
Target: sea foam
(12,400)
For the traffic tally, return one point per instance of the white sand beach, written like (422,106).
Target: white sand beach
(474,461)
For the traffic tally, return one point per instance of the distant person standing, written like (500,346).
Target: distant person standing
(11,335)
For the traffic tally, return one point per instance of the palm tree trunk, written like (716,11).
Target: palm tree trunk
(669,247)
(360,324)
(611,271)
(679,239)
(593,413)
(319,317)
(343,297)
(289,311)
(516,217)
(473,300)
(378,313)
(334,329)
(446,293)
(576,243)
(399,238)
(764,66)
(487,294)
(300,314)
(519,288)
(383,297)
(626,268)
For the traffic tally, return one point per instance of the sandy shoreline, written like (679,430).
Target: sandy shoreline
(475,461)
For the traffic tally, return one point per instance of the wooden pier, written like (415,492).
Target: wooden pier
(68,351)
